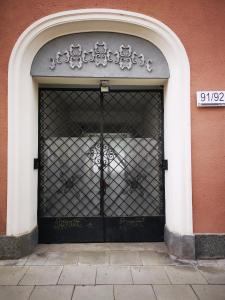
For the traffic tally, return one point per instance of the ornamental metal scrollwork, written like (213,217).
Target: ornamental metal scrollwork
(100,55)
(107,152)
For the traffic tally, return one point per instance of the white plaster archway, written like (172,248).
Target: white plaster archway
(23,111)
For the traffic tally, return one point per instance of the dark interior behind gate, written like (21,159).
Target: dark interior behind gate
(100,165)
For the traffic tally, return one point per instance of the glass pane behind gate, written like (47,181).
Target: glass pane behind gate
(70,148)
(133,134)
(69,185)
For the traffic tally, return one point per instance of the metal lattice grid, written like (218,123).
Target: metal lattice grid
(134,178)
(68,185)
(100,154)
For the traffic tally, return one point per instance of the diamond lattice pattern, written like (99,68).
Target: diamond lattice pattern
(82,134)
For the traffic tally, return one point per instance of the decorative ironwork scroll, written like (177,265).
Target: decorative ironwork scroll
(107,152)
(100,55)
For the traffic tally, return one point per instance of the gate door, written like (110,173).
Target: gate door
(100,166)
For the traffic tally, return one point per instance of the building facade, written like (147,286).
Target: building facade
(101,135)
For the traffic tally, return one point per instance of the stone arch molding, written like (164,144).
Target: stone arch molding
(23,111)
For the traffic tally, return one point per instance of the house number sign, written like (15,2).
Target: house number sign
(210,98)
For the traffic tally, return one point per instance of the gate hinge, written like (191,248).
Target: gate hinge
(36,163)
(165,164)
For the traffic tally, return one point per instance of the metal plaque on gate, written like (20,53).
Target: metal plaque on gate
(210,98)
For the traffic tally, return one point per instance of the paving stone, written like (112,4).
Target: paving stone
(61,258)
(75,247)
(149,275)
(37,259)
(99,292)
(113,275)
(93,258)
(184,262)
(160,247)
(11,275)
(125,258)
(214,275)
(221,263)
(124,246)
(207,262)
(41,275)
(209,292)
(15,292)
(174,292)
(185,275)
(41,248)
(134,292)
(73,274)
(151,258)
(14,262)
(63,247)
(136,246)
(59,292)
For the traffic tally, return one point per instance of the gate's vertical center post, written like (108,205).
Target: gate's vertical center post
(102,185)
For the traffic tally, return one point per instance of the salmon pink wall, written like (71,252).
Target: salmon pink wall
(200,24)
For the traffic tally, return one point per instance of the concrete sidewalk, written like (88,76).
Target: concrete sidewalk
(134,271)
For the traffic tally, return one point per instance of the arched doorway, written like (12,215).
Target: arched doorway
(22,179)
(101,149)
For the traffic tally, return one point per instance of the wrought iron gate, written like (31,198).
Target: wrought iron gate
(100,165)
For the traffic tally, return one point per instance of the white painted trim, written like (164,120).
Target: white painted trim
(23,117)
